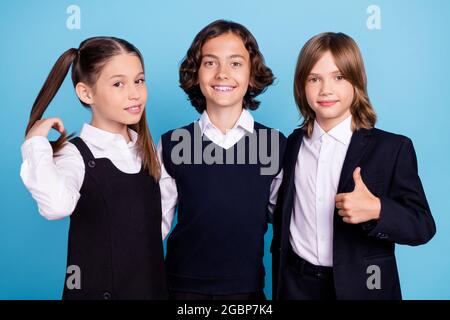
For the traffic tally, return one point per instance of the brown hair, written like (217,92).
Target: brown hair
(260,75)
(87,62)
(349,61)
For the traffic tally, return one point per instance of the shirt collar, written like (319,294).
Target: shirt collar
(317,133)
(103,139)
(245,121)
(342,132)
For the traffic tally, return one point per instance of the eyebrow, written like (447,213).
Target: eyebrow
(229,57)
(124,76)
(316,74)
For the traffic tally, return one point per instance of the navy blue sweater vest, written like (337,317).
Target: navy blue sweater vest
(217,246)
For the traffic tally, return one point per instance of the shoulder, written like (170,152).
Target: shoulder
(168,134)
(260,126)
(68,150)
(170,138)
(389,138)
(386,144)
(296,134)
(69,158)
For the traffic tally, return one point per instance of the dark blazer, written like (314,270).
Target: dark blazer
(389,170)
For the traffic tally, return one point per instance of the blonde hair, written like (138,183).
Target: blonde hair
(348,59)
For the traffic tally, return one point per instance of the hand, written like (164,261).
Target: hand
(42,127)
(360,205)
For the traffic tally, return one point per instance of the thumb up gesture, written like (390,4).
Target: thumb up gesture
(360,205)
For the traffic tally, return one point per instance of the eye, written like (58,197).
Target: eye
(339,77)
(313,79)
(236,64)
(209,63)
(118,84)
(140,81)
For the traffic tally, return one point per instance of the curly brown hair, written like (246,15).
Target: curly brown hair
(260,75)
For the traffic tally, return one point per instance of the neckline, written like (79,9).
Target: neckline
(88,156)
(220,147)
(115,168)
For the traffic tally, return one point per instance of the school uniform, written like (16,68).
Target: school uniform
(318,256)
(115,216)
(216,249)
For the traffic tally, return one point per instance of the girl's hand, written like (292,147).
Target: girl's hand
(42,127)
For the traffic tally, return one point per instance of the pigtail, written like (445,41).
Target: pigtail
(48,92)
(146,148)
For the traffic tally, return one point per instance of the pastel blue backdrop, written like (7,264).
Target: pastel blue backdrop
(408,68)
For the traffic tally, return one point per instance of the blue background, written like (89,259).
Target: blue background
(407,66)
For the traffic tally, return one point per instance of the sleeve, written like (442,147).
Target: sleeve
(274,187)
(169,195)
(53,180)
(276,182)
(405,216)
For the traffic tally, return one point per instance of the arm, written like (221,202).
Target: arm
(169,196)
(54,182)
(274,187)
(405,216)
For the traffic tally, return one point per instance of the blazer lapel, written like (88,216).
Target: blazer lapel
(356,150)
(292,153)
(290,160)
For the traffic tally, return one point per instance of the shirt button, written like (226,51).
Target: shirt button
(91,163)
(382,235)
(107,296)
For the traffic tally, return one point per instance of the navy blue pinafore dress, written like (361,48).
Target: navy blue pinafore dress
(115,234)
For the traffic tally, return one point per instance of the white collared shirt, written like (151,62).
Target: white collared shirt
(55,180)
(317,174)
(169,193)
(244,124)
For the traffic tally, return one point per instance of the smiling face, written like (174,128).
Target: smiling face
(119,95)
(224,73)
(328,93)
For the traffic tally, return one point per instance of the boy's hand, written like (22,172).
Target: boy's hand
(360,205)
(42,127)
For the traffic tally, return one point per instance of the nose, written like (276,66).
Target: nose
(326,88)
(222,72)
(133,92)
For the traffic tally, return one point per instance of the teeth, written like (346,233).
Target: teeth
(223,88)
(132,108)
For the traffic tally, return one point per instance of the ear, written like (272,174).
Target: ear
(84,93)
